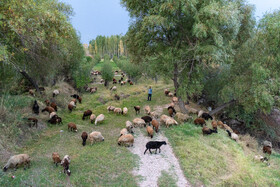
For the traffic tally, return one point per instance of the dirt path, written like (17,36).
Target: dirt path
(151,165)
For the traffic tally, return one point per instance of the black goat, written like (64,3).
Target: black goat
(154,145)
(35,107)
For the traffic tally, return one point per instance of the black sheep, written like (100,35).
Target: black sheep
(154,145)
(75,96)
(147,119)
(35,107)
(206,116)
(55,119)
(84,137)
(137,109)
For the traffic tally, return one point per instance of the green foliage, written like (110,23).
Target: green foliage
(133,71)
(82,75)
(96,59)
(107,72)
(106,57)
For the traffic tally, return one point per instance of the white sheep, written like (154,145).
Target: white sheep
(129,126)
(138,122)
(147,109)
(16,160)
(72,103)
(163,118)
(117,110)
(99,118)
(124,111)
(170,121)
(95,136)
(126,140)
(114,88)
(111,108)
(55,93)
(92,118)
(52,114)
(123,131)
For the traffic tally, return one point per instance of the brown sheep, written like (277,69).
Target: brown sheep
(86,114)
(155,125)
(267,149)
(126,140)
(72,127)
(117,110)
(214,125)
(49,109)
(117,97)
(150,131)
(207,131)
(56,158)
(171,111)
(166,92)
(47,102)
(80,99)
(70,107)
(34,120)
(137,109)
(199,121)
(54,106)
(220,124)
(74,100)
(84,137)
(92,118)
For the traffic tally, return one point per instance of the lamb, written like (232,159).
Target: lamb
(155,125)
(84,137)
(92,118)
(182,117)
(126,140)
(147,109)
(55,93)
(114,88)
(49,109)
(232,135)
(129,126)
(267,149)
(16,160)
(147,119)
(150,131)
(170,121)
(99,118)
(72,127)
(111,108)
(154,145)
(171,111)
(124,111)
(138,122)
(117,97)
(56,158)
(95,136)
(207,131)
(34,120)
(137,109)
(123,131)
(199,121)
(86,114)
(70,107)
(206,116)
(52,114)
(35,107)
(65,163)
(214,125)
(117,110)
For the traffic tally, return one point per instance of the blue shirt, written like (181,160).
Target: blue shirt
(150,91)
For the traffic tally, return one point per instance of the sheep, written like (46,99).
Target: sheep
(147,119)
(95,136)
(155,125)
(170,94)
(220,124)
(199,121)
(16,160)
(192,111)
(31,92)
(84,137)
(123,131)
(55,93)
(76,96)
(154,115)
(138,122)
(170,121)
(227,127)
(214,125)
(80,99)
(72,127)
(200,113)
(175,99)
(52,114)
(182,117)
(137,109)
(114,88)
(111,108)
(47,102)
(126,140)
(35,107)
(260,158)
(56,158)
(267,149)
(70,107)
(131,83)
(49,109)
(117,97)
(124,111)
(207,131)
(65,163)
(92,118)
(54,106)
(129,126)
(206,116)
(34,120)
(154,145)
(92,90)
(267,143)
(166,92)
(86,114)
(232,135)
(55,119)
(72,103)
(150,131)
(99,118)
(171,111)
(117,110)
(147,109)
(163,118)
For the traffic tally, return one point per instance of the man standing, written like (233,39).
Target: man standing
(150,93)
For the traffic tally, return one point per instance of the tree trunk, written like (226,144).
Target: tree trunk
(30,80)
(218,109)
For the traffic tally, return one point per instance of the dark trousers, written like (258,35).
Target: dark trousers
(149,97)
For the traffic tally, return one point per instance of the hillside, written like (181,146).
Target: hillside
(213,160)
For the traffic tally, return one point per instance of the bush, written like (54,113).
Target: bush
(107,73)
(82,75)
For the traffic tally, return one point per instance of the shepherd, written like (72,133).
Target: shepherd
(150,91)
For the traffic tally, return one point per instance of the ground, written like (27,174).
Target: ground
(212,160)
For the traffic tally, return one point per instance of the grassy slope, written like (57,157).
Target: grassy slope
(100,65)
(213,160)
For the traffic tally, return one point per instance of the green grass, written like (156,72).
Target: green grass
(166,180)
(99,66)
(216,160)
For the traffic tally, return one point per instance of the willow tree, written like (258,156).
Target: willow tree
(180,38)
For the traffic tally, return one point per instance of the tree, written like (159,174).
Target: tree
(107,73)
(183,37)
